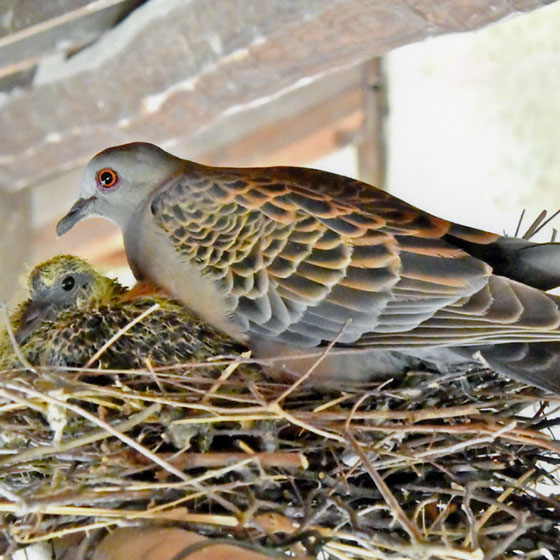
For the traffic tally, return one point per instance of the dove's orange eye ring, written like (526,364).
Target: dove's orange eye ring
(107,178)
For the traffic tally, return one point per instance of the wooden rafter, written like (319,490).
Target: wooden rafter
(173,69)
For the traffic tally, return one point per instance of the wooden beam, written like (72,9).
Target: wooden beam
(371,145)
(15,240)
(92,239)
(31,31)
(25,18)
(310,134)
(317,145)
(173,68)
(246,137)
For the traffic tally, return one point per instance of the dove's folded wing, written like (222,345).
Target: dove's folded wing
(303,264)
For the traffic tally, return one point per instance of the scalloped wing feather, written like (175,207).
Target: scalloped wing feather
(308,256)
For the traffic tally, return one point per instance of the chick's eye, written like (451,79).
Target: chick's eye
(107,178)
(68,283)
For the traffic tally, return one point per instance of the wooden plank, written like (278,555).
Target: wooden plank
(15,240)
(244,137)
(317,145)
(371,145)
(92,240)
(16,79)
(174,68)
(306,136)
(25,18)
(38,33)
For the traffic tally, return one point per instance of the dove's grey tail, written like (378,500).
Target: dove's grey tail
(534,264)
(535,363)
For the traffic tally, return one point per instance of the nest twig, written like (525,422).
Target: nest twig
(429,466)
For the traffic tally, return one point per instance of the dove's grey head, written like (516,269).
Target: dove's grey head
(118,180)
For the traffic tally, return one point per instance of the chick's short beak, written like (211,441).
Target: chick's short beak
(77,213)
(34,314)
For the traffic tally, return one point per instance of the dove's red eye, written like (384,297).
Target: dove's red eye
(107,178)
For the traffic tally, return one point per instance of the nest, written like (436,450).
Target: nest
(428,466)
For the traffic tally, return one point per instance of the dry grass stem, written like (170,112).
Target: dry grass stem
(428,466)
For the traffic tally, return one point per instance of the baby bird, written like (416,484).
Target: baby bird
(72,311)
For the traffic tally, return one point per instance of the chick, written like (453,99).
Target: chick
(72,311)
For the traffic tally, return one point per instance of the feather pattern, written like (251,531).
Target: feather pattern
(307,254)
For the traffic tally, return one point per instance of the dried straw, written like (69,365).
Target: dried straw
(430,466)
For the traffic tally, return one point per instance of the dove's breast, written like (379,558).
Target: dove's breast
(152,256)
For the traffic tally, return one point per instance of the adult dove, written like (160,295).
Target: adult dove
(72,311)
(290,260)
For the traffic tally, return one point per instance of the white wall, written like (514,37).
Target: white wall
(474,125)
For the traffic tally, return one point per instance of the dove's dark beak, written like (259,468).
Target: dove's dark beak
(35,313)
(77,213)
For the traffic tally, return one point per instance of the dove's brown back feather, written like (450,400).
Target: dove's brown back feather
(302,252)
